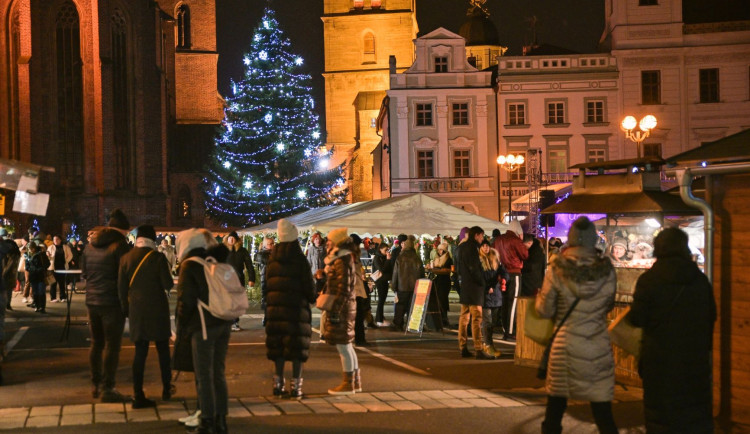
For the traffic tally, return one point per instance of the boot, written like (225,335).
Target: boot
(357,381)
(346,387)
(547,428)
(491,350)
(296,392)
(278,385)
(206,427)
(221,424)
(141,401)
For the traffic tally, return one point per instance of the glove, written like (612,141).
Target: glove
(502,285)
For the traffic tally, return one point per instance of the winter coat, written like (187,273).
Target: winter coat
(340,271)
(146,301)
(407,270)
(37,265)
(381,263)
(492,278)
(192,286)
(315,257)
(11,257)
(512,252)
(67,251)
(100,265)
(261,258)
(532,273)
(674,303)
(470,274)
(581,364)
(239,259)
(290,292)
(442,274)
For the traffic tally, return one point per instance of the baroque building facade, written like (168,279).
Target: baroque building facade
(360,36)
(113,95)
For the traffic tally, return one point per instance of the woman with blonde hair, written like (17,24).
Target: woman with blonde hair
(495,276)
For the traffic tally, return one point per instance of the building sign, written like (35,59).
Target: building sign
(443,185)
(517,192)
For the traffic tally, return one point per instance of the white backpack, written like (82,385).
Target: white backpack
(227,298)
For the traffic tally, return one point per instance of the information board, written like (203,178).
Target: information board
(419,301)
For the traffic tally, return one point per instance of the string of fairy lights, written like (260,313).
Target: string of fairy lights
(268,161)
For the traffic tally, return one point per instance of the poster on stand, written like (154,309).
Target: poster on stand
(418,310)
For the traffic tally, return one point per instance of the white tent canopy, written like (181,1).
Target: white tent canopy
(412,214)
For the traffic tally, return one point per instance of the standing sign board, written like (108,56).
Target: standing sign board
(418,310)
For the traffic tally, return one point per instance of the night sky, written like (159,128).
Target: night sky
(572,24)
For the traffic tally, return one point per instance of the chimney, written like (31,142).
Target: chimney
(392,64)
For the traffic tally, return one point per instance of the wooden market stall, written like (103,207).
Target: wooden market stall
(617,189)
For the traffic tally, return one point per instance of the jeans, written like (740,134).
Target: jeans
(382,287)
(106,324)
(509,303)
(476,326)
(487,313)
(556,406)
(39,293)
(59,283)
(139,364)
(402,307)
(209,358)
(359,321)
(349,361)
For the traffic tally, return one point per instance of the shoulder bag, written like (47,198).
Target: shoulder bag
(536,328)
(325,301)
(541,372)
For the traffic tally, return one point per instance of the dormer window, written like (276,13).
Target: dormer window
(375,4)
(441,64)
(359,4)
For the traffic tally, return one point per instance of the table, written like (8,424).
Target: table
(69,278)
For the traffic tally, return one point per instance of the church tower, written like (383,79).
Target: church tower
(360,36)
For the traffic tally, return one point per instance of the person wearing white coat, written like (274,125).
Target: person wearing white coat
(60,254)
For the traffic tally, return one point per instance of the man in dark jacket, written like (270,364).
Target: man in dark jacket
(100,266)
(144,282)
(408,268)
(532,272)
(472,292)
(261,258)
(239,259)
(512,254)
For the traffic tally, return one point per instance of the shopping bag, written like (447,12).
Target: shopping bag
(376,275)
(625,335)
(536,328)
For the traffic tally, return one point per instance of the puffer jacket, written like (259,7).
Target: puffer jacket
(100,265)
(407,270)
(492,278)
(581,364)
(340,272)
(290,292)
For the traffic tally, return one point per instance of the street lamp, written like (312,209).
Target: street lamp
(645,126)
(510,163)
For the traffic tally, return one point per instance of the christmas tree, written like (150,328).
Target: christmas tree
(268,162)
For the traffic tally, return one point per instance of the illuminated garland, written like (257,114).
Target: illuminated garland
(268,162)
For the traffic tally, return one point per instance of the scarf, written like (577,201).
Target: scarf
(145,242)
(440,260)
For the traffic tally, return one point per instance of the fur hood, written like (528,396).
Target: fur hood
(583,270)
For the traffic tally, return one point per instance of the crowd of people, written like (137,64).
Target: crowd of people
(133,280)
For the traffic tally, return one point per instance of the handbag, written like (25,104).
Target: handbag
(325,302)
(541,372)
(625,335)
(376,275)
(536,328)
(49,278)
(182,357)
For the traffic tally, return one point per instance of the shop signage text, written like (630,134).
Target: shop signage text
(443,185)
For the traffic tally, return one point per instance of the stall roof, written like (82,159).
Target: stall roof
(644,202)
(730,149)
(410,214)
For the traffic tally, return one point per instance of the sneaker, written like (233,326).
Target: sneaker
(236,328)
(54,300)
(112,395)
(196,416)
(481,355)
(24,300)
(465,353)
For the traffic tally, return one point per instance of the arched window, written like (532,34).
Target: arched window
(69,91)
(184,209)
(368,51)
(183,27)
(123,146)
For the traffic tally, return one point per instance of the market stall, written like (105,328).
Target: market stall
(629,195)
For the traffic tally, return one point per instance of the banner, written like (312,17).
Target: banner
(419,302)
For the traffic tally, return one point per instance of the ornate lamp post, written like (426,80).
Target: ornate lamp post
(645,126)
(510,163)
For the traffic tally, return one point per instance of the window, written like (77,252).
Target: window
(425,164)
(441,64)
(184,203)
(183,27)
(520,173)
(557,161)
(424,115)
(461,163)
(596,155)
(517,114)
(556,113)
(595,112)
(461,113)
(709,85)
(652,150)
(359,4)
(648,2)
(375,4)
(368,50)
(650,87)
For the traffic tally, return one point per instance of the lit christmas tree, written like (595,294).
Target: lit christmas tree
(268,162)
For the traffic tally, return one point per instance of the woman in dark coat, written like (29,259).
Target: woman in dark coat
(674,303)
(288,317)
(339,320)
(494,275)
(381,262)
(144,281)
(441,267)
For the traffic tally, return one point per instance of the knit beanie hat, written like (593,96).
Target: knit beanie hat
(402,237)
(463,234)
(194,238)
(582,233)
(118,220)
(671,242)
(337,236)
(620,242)
(287,231)
(145,231)
(234,235)
(356,238)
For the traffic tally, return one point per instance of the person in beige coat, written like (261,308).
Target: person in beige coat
(581,363)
